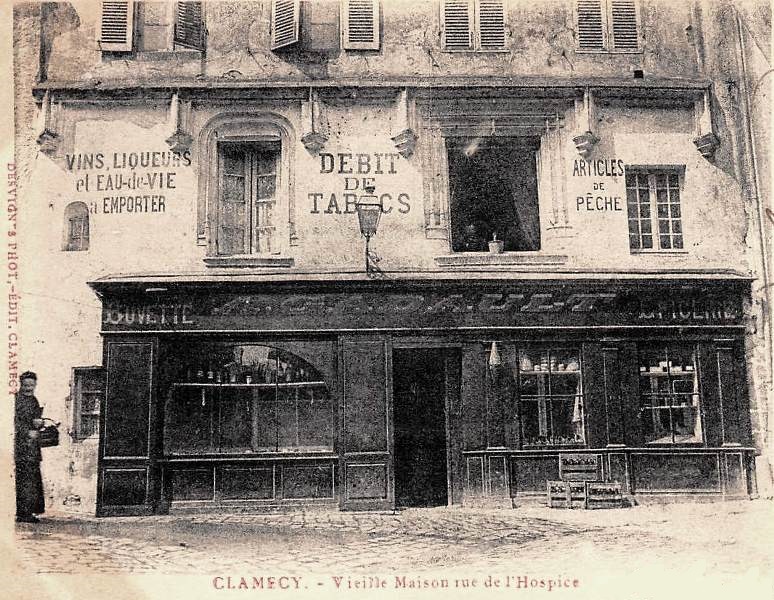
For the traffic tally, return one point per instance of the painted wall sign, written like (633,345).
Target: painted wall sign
(601,197)
(454,308)
(355,173)
(132,182)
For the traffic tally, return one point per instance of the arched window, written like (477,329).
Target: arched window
(76,227)
(247,398)
(246,210)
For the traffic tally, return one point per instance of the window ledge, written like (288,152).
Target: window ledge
(660,252)
(479,259)
(164,55)
(249,261)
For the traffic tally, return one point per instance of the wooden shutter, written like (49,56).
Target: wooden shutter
(623,16)
(491,24)
(457,18)
(234,208)
(116,26)
(284,23)
(189,26)
(589,24)
(360,24)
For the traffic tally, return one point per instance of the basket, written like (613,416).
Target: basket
(48,435)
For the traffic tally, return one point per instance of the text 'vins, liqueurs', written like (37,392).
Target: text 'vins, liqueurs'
(134,181)
(360,174)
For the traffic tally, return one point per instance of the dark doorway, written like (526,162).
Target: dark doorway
(419,392)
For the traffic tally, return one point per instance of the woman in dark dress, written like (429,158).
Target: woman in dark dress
(27,422)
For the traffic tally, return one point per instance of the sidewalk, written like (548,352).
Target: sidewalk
(728,540)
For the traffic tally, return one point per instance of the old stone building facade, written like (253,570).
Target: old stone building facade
(568,278)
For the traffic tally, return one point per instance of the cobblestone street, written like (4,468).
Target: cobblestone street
(638,549)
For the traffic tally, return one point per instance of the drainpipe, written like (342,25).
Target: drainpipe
(754,194)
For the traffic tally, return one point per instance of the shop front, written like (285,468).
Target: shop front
(365,394)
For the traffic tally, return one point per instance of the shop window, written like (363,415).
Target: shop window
(248,197)
(247,398)
(493,193)
(670,396)
(550,398)
(87,391)
(76,227)
(151,26)
(655,214)
(470,25)
(607,25)
(535,397)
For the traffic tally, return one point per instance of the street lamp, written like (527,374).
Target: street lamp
(369,209)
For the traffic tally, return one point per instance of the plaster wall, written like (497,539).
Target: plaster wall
(539,41)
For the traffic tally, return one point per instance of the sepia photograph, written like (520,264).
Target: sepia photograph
(375,299)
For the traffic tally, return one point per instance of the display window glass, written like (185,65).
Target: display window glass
(670,395)
(546,388)
(240,399)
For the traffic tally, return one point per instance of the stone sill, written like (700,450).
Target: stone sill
(249,261)
(507,259)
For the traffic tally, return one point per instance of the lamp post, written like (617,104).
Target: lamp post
(369,209)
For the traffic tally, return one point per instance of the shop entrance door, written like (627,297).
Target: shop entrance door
(421,426)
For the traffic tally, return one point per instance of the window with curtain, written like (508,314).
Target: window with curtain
(670,396)
(544,390)
(493,193)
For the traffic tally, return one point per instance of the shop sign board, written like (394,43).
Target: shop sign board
(434,308)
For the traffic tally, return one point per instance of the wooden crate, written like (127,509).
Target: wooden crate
(566,494)
(604,495)
(579,467)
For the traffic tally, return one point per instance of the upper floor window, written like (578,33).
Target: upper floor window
(493,193)
(355,25)
(473,25)
(360,24)
(653,204)
(76,226)
(607,25)
(151,26)
(246,212)
(248,197)
(670,396)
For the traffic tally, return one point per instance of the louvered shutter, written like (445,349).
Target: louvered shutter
(116,26)
(189,27)
(623,14)
(284,23)
(491,24)
(457,18)
(590,25)
(360,24)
